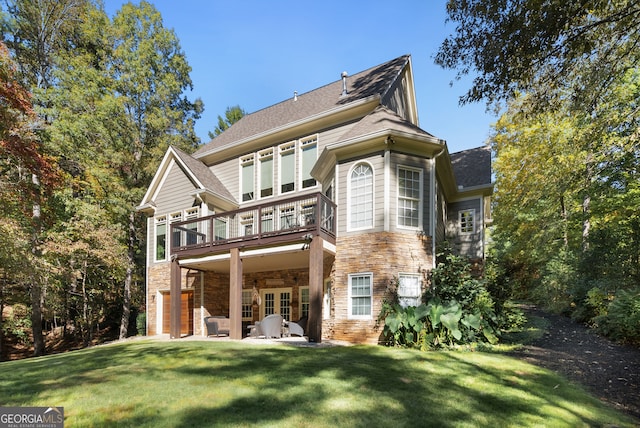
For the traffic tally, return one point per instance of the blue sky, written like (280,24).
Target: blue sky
(257,53)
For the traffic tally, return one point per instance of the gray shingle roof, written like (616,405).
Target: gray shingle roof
(472,167)
(204,175)
(375,81)
(382,119)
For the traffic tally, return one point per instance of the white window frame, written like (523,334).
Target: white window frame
(350,213)
(466,229)
(173,218)
(160,221)
(303,302)
(246,161)
(247,305)
(400,198)
(285,149)
(278,308)
(305,144)
(409,294)
(351,297)
(264,156)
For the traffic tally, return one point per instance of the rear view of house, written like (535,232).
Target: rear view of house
(309,209)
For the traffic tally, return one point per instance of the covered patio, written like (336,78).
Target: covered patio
(293,237)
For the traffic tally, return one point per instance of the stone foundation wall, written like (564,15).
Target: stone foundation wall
(383,254)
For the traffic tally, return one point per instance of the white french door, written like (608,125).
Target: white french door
(276,301)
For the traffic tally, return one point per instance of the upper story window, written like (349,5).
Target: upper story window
(175,236)
(193,236)
(409,197)
(467,221)
(247,166)
(288,167)
(360,295)
(161,238)
(266,173)
(187,235)
(309,149)
(360,194)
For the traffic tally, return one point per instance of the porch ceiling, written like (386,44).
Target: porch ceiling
(292,256)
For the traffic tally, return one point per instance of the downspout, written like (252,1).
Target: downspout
(433,203)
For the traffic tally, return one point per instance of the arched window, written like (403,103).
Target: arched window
(361,197)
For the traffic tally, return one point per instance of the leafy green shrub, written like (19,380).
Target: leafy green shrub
(622,320)
(434,325)
(18,323)
(141,324)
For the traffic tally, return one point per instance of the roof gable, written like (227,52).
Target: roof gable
(371,83)
(198,173)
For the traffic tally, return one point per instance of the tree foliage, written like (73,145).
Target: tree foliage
(566,147)
(109,96)
(231,116)
(552,48)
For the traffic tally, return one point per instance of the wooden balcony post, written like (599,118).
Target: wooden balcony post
(316,280)
(175,303)
(235,295)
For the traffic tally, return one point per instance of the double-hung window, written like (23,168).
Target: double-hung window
(467,221)
(361,197)
(304,302)
(360,295)
(247,166)
(247,305)
(287,167)
(409,197)
(309,149)
(409,290)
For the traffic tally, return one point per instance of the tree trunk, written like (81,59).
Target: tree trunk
(3,283)
(35,291)
(586,222)
(126,300)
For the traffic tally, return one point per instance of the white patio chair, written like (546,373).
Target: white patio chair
(295,329)
(271,326)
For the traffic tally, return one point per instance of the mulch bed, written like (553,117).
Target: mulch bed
(609,371)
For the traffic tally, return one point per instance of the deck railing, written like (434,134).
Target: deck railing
(280,220)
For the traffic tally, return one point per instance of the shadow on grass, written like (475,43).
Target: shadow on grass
(232,384)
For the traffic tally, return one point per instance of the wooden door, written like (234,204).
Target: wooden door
(186,313)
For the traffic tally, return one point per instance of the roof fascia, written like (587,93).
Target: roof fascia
(209,197)
(346,113)
(411,93)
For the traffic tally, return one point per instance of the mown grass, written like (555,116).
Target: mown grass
(221,383)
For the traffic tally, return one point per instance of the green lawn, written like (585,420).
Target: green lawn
(224,383)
